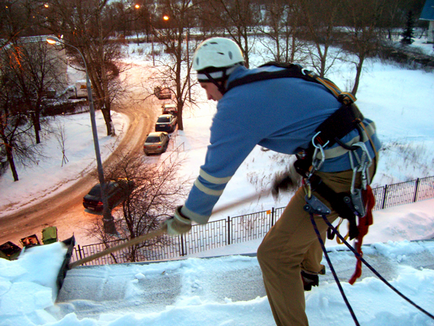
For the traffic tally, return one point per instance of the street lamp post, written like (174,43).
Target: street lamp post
(109,225)
(137,7)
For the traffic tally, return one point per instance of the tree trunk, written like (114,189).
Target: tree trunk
(11,161)
(180,105)
(107,119)
(37,127)
(358,74)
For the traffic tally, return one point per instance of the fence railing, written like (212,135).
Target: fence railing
(239,229)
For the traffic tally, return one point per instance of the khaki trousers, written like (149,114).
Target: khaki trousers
(292,244)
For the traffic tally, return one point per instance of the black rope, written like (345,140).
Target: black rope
(332,269)
(371,268)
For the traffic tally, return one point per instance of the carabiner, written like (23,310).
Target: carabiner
(363,164)
(317,163)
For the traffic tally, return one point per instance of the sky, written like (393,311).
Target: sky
(226,288)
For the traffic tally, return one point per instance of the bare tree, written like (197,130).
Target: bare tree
(144,19)
(87,25)
(176,39)
(124,17)
(26,73)
(158,191)
(240,19)
(394,16)
(321,18)
(35,71)
(363,18)
(19,18)
(28,59)
(209,19)
(60,135)
(281,25)
(15,129)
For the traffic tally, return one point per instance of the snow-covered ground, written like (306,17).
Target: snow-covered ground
(224,290)
(228,290)
(420,44)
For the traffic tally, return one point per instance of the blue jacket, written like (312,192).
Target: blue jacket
(279,114)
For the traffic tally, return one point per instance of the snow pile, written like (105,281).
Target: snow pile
(225,290)
(28,285)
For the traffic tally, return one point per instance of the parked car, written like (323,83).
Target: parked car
(9,251)
(169,108)
(117,191)
(166,122)
(156,143)
(81,89)
(30,241)
(162,93)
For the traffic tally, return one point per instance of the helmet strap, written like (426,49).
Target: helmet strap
(220,83)
(221,75)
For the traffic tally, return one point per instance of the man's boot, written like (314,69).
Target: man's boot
(310,279)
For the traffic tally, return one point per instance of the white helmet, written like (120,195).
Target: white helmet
(215,53)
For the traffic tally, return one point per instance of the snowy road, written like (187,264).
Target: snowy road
(62,205)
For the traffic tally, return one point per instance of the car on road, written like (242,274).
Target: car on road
(117,192)
(156,143)
(169,108)
(166,122)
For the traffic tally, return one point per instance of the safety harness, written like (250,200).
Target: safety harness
(358,203)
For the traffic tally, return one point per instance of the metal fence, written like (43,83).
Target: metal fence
(242,228)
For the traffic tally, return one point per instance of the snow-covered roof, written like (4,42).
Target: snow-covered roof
(428,11)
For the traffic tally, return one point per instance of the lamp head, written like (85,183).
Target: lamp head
(53,40)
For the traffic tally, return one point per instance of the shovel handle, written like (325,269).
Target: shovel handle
(159,232)
(107,251)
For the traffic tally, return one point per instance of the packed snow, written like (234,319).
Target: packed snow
(226,288)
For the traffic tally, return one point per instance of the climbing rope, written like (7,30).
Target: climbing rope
(373,269)
(338,283)
(314,206)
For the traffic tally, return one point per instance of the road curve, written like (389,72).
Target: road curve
(65,209)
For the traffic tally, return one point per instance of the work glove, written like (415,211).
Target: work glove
(178,223)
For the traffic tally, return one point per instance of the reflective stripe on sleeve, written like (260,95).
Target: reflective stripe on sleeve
(201,219)
(207,190)
(215,180)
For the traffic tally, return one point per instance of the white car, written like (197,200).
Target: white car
(169,108)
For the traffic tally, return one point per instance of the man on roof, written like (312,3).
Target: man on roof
(280,114)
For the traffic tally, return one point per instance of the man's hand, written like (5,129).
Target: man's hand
(178,223)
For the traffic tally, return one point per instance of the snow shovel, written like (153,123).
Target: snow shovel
(70,243)
(107,251)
